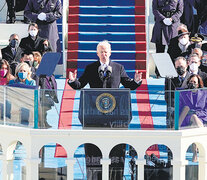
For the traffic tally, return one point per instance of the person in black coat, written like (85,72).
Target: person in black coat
(92,74)
(105,74)
(179,45)
(13,7)
(12,53)
(190,15)
(33,42)
(172,84)
(45,14)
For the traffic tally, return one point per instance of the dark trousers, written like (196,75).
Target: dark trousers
(159,49)
(11,8)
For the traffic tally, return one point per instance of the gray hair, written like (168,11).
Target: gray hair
(12,35)
(104,43)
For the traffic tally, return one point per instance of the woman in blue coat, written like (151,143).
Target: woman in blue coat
(45,13)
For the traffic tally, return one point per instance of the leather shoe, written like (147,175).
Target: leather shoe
(11,21)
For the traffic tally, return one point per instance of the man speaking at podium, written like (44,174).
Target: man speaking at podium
(105,74)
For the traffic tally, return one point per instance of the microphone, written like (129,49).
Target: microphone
(101,72)
(108,72)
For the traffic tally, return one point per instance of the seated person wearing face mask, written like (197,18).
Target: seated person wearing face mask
(23,75)
(202,57)
(193,110)
(192,107)
(28,57)
(5,74)
(194,63)
(179,46)
(177,82)
(33,42)
(12,53)
(46,47)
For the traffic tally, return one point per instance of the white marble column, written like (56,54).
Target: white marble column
(140,171)
(179,169)
(7,168)
(70,166)
(4,166)
(32,168)
(202,169)
(105,168)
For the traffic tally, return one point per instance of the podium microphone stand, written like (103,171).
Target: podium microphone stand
(166,69)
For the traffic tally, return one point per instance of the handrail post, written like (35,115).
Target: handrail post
(4,108)
(36,109)
(177,96)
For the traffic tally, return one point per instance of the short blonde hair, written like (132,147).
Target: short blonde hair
(104,43)
(28,70)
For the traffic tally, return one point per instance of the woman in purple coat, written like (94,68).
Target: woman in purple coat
(45,13)
(193,104)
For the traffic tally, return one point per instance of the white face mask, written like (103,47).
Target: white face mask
(194,67)
(183,41)
(33,33)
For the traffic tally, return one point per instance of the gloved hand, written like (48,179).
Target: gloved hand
(167,21)
(42,16)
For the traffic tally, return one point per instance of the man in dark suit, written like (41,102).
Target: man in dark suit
(114,73)
(172,84)
(12,53)
(105,74)
(194,63)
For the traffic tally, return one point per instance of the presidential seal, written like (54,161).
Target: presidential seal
(105,103)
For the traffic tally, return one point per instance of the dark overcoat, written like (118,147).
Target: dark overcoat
(161,32)
(174,84)
(91,76)
(174,50)
(188,17)
(12,59)
(9,56)
(48,28)
(29,44)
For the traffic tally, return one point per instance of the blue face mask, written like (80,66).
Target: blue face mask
(22,75)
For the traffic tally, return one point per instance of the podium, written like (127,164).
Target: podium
(105,108)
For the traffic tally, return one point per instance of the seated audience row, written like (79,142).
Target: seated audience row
(184,69)
(13,52)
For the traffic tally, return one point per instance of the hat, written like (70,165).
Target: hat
(181,33)
(197,38)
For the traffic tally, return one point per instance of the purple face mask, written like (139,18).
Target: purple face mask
(3,72)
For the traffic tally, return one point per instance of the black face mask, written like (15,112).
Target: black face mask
(14,43)
(46,48)
(192,86)
(180,70)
